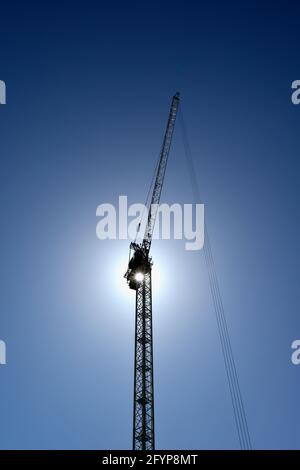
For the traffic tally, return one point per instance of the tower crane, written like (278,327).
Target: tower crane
(138,276)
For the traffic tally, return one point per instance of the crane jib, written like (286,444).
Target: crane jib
(164,153)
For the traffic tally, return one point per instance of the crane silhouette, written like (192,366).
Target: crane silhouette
(138,276)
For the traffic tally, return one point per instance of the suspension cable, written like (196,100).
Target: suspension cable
(230,366)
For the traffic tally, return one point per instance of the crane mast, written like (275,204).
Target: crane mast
(138,276)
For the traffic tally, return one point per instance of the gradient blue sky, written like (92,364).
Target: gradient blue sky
(88,91)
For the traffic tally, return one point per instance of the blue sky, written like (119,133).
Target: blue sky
(88,90)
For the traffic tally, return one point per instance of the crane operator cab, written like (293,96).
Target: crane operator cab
(139,264)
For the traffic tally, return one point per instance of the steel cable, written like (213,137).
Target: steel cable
(230,366)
